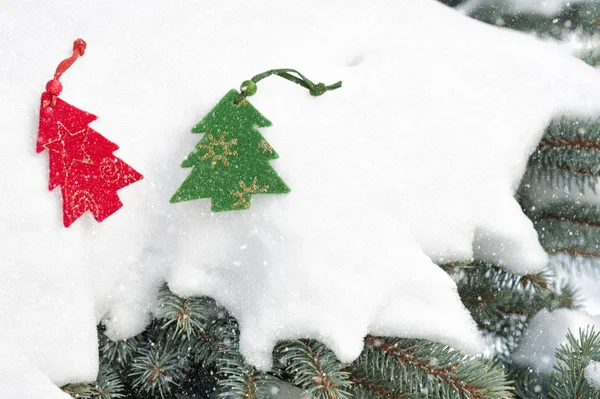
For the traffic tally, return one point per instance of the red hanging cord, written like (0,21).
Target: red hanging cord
(54,86)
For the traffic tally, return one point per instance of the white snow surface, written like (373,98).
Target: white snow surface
(592,374)
(414,161)
(21,380)
(546,7)
(545,332)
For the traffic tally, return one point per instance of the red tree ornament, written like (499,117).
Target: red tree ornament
(81,160)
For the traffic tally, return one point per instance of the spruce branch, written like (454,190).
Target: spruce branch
(242,380)
(167,365)
(569,143)
(182,315)
(199,325)
(569,153)
(587,218)
(453,268)
(369,388)
(117,354)
(489,291)
(528,383)
(576,20)
(314,368)
(157,370)
(565,227)
(417,367)
(107,386)
(202,349)
(575,252)
(502,303)
(579,214)
(572,359)
(591,57)
(220,333)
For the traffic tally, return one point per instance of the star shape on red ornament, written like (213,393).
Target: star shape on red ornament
(70,145)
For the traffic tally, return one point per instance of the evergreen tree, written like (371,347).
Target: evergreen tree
(191,349)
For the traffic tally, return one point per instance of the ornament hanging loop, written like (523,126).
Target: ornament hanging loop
(54,86)
(249,88)
(79,47)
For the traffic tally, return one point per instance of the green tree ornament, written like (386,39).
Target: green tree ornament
(231,161)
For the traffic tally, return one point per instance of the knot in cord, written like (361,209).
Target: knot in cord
(248,88)
(79,46)
(318,89)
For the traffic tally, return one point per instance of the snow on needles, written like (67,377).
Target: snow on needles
(414,161)
(592,374)
(545,332)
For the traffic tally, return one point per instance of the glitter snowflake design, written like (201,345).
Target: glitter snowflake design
(265,146)
(244,194)
(216,155)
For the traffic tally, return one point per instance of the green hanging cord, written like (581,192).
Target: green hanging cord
(249,88)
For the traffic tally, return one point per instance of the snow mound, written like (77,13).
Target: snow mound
(592,374)
(546,331)
(289,291)
(22,381)
(414,160)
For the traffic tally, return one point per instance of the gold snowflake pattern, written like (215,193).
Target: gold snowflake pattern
(265,146)
(211,148)
(244,193)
